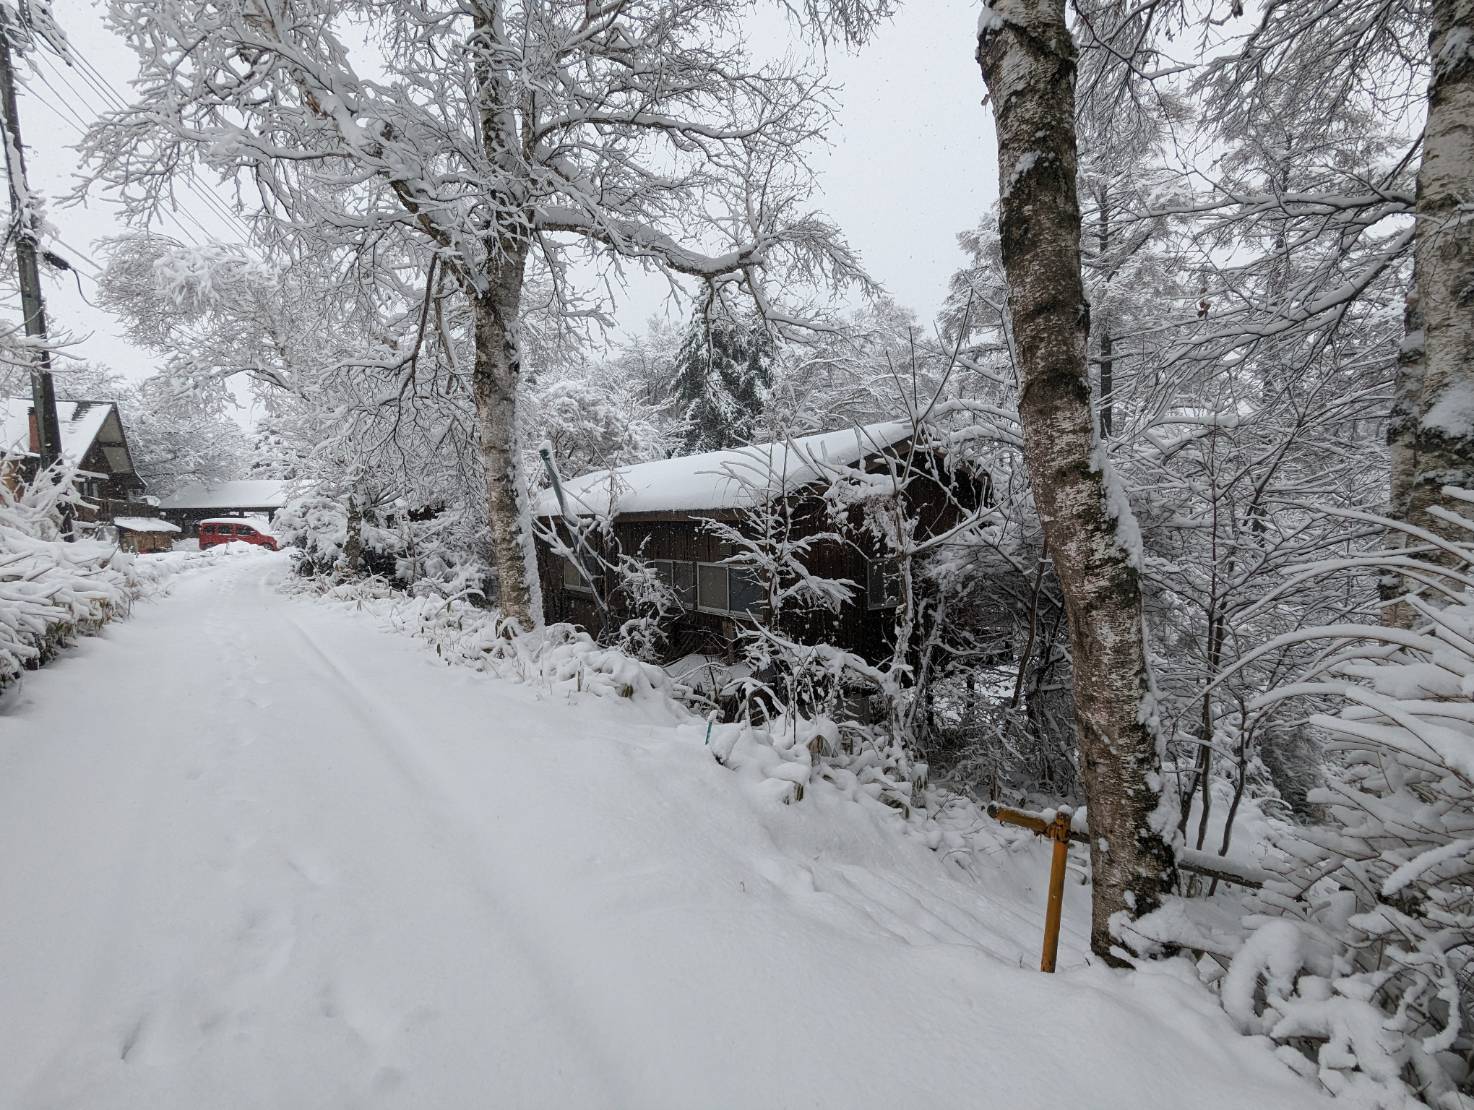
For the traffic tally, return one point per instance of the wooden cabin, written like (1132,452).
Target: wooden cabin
(660,512)
(92,439)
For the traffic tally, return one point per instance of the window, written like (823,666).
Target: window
(685,583)
(711,587)
(726,589)
(680,577)
(882,583)
(744,591)
(573,578)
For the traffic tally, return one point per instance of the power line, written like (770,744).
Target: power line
(78,124)
(212,203)
(100,83)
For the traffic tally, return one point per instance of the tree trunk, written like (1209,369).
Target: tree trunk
(353,541)
(494,387)
(1028,63)
(496,311)
(1107,361)
(1402,455)
(1444,267)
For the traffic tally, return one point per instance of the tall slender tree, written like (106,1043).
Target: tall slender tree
(1028,61)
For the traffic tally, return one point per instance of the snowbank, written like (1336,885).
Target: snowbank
(785,761)
(52,591)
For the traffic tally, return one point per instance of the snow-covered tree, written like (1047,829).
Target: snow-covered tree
(722,375)
(504,140)
(596,418)
(1027,58)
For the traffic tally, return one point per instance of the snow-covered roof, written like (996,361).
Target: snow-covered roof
(260,523)
(143,524)
(722,479)
(81,422)
(254,493)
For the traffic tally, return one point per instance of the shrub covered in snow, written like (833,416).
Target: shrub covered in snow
(341,535)
(52,590)
(1361,959)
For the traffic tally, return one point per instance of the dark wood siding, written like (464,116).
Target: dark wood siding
(686,537)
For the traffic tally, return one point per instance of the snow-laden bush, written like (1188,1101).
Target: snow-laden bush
(558,656)
(51,590)
(344,536)
(1361,958)
(332,536)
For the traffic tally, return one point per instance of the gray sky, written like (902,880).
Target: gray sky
(909,165)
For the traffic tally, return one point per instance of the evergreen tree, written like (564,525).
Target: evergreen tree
(723,373)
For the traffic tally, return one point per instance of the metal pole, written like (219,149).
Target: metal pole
(33,306)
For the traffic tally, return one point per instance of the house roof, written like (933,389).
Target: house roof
(82,422)
(143,524)
(717,480)
(255,493)
(260,523)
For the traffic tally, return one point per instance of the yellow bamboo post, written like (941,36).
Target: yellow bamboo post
(1059,832)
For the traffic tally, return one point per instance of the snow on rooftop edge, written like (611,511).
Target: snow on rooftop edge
(253,493)
(260,523)
(80,423)
(721,479)
(143,524)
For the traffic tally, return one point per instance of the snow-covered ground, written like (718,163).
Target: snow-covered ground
(257,852)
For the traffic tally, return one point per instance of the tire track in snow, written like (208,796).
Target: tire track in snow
(389,729)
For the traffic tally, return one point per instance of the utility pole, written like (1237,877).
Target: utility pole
(33,307)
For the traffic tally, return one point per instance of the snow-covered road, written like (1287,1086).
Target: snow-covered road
(255,852)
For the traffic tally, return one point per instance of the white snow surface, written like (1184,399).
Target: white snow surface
(144,524)
(300,863)
(722,479)
(80,422)
(253,493)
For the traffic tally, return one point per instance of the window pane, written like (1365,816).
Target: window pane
(683,577)
(746,591)
(679,577)
(572,579)
(711,586)
(882,583)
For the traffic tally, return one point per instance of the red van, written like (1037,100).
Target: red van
(236,530)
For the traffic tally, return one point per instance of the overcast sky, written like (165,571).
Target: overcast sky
(909,164)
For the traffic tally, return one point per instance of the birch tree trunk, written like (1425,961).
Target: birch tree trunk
(1444,267)
(504,123)
(495,378)
(1027,59)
